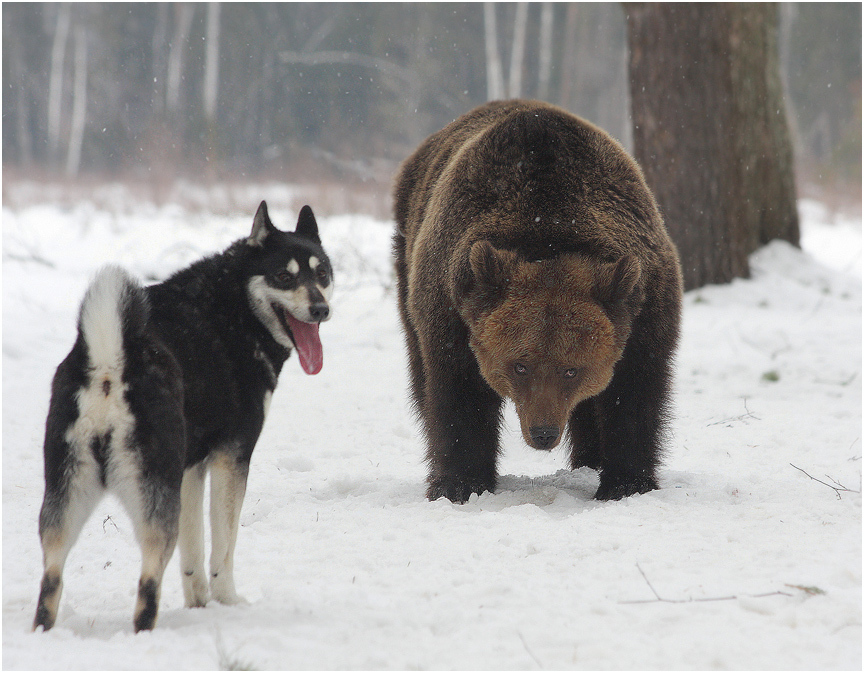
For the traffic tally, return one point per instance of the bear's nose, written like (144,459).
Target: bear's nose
(544,436)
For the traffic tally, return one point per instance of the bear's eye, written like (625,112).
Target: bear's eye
(571,373)
(520,369)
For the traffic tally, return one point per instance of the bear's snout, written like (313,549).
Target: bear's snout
(544,436)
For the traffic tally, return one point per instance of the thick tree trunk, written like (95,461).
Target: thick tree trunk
(710,130)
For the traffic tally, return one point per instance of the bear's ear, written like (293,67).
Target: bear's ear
(616,282)
(261,226)
(485,280)
(488,265)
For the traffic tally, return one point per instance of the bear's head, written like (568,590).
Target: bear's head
(547,334)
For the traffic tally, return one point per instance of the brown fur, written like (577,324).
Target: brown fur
(533,264)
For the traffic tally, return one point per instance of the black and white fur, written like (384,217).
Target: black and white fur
(165,383)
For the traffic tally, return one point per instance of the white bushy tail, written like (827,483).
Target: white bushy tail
(114,307)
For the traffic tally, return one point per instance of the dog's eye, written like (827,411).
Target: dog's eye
(284,276)
(520,369)
(322,274)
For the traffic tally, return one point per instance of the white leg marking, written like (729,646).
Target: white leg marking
(227,489)
(191,540)
(268,397)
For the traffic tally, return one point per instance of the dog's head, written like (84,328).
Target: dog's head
(290,284)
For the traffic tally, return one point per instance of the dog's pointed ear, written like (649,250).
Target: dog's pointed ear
(307,227)
(261,226)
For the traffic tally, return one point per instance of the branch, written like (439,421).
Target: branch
(837,489)
(659,599)
(749,414)
(348,58)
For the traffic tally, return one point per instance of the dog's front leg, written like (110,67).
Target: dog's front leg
(195,589)
(228,475)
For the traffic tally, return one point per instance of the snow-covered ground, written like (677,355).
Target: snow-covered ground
(740,561)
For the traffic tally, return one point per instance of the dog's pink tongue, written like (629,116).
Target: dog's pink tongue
(308,344)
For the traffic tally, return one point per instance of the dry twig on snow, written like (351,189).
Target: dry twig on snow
(659,599)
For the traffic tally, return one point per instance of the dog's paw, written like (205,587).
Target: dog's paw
(195,590)
(230,599)
(224,592)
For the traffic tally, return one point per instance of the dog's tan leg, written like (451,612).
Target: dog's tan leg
(227,489)
(65,509)
(154,508)
(191,541)
(157,545)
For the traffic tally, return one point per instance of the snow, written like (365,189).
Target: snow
(345,564)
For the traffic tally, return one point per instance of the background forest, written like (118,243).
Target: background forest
(344,91)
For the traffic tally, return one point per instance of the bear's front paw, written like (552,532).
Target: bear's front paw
(454,489)
(615,489)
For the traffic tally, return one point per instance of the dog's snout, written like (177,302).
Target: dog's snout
(319,311)
(544,436)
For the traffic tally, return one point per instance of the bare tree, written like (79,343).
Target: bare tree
(183,13)
(710,131)
(211,62)
(517,53)
(494,72)
(79,102)
(55,83)
(544,70)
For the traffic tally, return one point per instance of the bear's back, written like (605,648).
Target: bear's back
(530,177)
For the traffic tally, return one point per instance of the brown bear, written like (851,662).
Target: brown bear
(532,264)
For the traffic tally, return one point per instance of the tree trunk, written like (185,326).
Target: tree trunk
(79,103)
(517,54)
(568,69)
(183,13)
(709,130)
(55,82)
(211,62)
(494,72)
(544,69)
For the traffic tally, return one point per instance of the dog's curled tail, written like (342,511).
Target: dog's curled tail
(114,311)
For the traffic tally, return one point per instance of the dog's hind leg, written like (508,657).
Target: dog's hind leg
(191,541)
(152,499)
(155,514)
(69,501)
(227,488)
(157,543)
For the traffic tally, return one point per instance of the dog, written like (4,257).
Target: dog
(167,382)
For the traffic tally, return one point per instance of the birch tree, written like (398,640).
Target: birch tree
(79,102)
(517,53)
(183,13)
(544,68)
(494,71)
(211,63)
(55,83)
